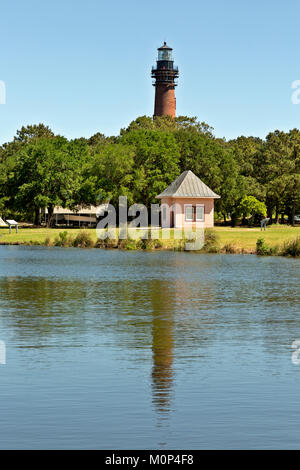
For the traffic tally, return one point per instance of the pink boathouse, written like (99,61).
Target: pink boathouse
(187,202)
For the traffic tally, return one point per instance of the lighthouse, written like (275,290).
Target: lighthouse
(165,75)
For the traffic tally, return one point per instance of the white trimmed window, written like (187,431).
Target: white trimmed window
(189,213)
(200,213)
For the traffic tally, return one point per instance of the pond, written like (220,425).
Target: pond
(135,350)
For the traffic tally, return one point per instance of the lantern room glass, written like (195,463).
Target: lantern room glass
(165,54)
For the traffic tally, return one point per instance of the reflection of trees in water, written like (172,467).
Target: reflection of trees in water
(189,305)
(179,314)
(135,315)
(162,344)
(38,308)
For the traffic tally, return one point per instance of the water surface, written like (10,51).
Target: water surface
(133,350)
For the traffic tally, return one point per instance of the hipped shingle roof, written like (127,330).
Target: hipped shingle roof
(188,185)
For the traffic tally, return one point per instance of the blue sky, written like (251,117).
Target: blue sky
(84,66)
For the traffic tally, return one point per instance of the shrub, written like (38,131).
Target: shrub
(34,243)
(149,244)
(100,243)
(111,243)
(128,244)
(106,243)
(211,236)
(291,248)
(262,249)
(211,241)
(212,249)
(158,244)
(230,249)
(179,245)
(83,240)
(63,239)
(139,244)
(47,241)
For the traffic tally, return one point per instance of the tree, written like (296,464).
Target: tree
(230,187)
(110,174)
(250,206)
(31,132)
(281,165)
(156,162)
(247,151)
(39,169)
(46,173)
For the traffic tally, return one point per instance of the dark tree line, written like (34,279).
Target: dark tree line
(253,176)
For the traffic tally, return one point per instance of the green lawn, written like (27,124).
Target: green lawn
(241,238)
(246,237)
(27,235)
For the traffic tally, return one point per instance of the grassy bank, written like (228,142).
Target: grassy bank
(246,238)
(221,239)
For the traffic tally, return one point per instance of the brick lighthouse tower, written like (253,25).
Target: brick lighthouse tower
(165,75)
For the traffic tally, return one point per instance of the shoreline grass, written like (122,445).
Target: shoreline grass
(277,240)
